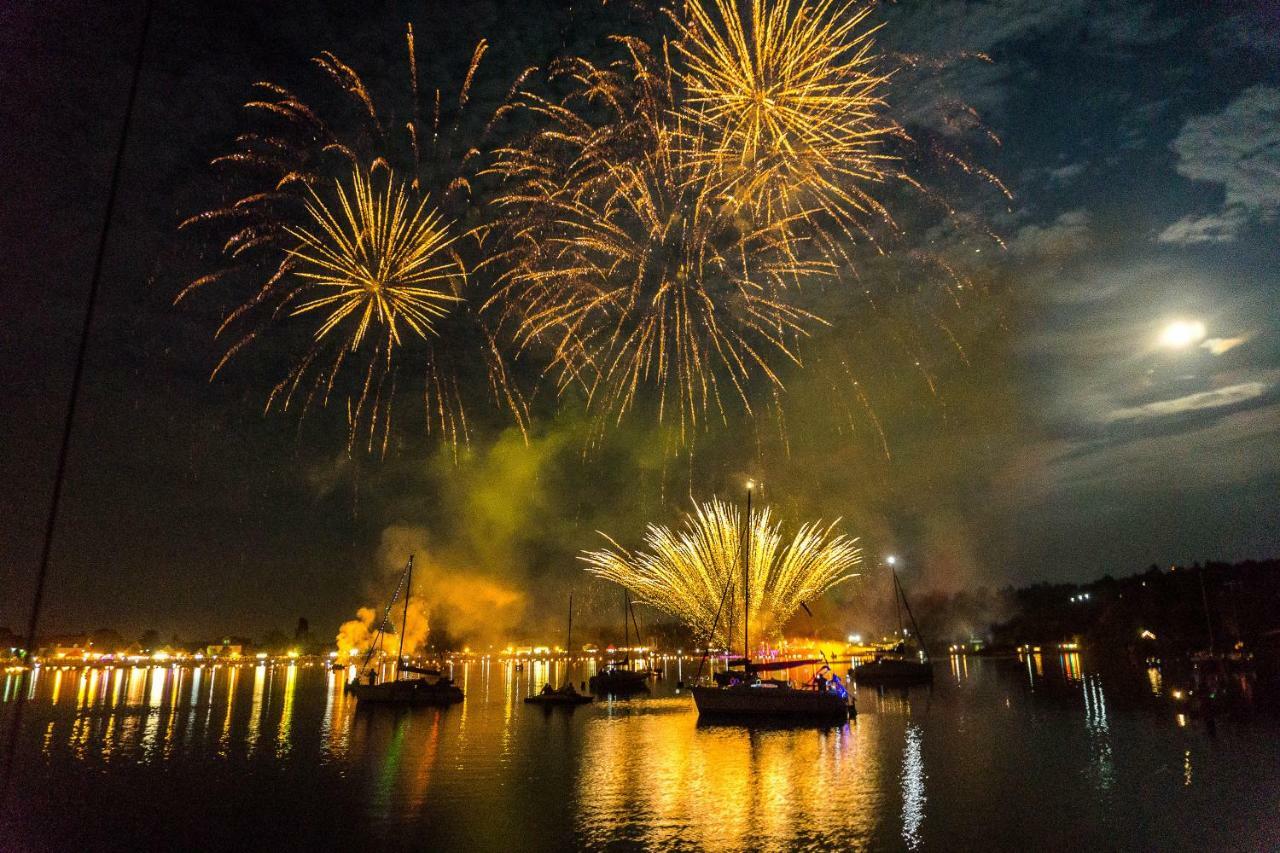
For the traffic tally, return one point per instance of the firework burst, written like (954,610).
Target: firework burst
(311,229)
(628,264)
(790,94)
(374,260)
(685,572)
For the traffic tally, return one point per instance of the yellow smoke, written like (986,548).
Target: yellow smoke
(473,606)
(356,636)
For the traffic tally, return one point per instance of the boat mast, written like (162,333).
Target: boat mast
(914,626)
(897,605)
(626,630)
(746,583)
(404,629)
(568,641)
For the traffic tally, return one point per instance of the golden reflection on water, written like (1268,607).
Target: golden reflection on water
(155,696)
(713,788)
(1156,679)
(286,712)
(334,729)
(255,710)
(224,739)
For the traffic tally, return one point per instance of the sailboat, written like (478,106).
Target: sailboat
(566,695)
(620,677)
(897,666)
(431,687)
(743,694)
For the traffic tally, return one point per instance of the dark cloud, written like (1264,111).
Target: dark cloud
(1238,149)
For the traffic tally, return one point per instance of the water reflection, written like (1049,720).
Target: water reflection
(635,773)
(712,787)
(1156,679)
(1034,663)
(913,795)
(1095,709)
(255,710)
(286,712)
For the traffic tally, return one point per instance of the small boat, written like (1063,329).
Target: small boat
(769,700)
(566,695)
(898,666)
(615,678)
(431,688)
(743,694)
(893,670)
(408,691)
(618,677)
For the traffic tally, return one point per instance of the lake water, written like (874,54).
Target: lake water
(997,755)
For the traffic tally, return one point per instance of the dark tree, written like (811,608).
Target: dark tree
(149,640)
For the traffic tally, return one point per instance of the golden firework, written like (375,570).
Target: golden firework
(790,94)
(687,572)
(628,264)
(374,260)
(308,232)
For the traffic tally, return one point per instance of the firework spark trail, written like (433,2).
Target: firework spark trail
(685,571)
(390,260)
(629,265)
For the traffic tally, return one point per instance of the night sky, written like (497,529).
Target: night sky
(1141,143)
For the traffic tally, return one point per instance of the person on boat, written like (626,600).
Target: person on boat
(820,682)
(546,689)
(370,676)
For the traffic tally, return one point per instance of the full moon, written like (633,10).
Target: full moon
(1182,333)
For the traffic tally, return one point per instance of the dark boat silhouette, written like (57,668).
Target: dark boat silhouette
(618,677)
(566,695)
(432,687)
(899,666)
